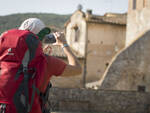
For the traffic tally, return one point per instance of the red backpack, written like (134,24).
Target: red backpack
(22,64)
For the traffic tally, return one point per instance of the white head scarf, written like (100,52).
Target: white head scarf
(34,25)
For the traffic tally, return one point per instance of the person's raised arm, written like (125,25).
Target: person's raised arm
(73,67)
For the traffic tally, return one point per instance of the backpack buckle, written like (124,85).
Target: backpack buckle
(25,69)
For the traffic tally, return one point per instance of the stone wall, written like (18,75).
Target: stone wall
(130,69)
(98,101)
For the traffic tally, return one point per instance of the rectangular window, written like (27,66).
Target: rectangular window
(134,4)
(141,88)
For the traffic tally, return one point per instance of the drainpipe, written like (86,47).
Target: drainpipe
(85,59)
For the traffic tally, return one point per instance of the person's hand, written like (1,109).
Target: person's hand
(60,39)
(47,49)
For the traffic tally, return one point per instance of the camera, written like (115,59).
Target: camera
(50,38)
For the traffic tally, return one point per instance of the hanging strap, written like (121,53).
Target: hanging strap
(25,62)
(44,97)
(35,90)
(21,98)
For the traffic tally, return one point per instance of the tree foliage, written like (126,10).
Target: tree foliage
(14,20)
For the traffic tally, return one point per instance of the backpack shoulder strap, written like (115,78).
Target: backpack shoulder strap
(32,43)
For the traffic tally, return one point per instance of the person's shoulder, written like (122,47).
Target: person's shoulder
(53,59)
(49,57)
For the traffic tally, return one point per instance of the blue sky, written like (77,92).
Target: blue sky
(62,6)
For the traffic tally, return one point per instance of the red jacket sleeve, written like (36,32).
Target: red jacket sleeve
(55,66)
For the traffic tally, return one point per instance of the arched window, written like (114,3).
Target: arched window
(77,33)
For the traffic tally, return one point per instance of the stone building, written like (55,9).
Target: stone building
(97,38)
(130,69)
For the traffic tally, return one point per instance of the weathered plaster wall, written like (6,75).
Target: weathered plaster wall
(77,20)
(131,68)
(104,41)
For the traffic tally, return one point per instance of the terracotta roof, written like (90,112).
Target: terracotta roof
(58,52)
(111,18)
